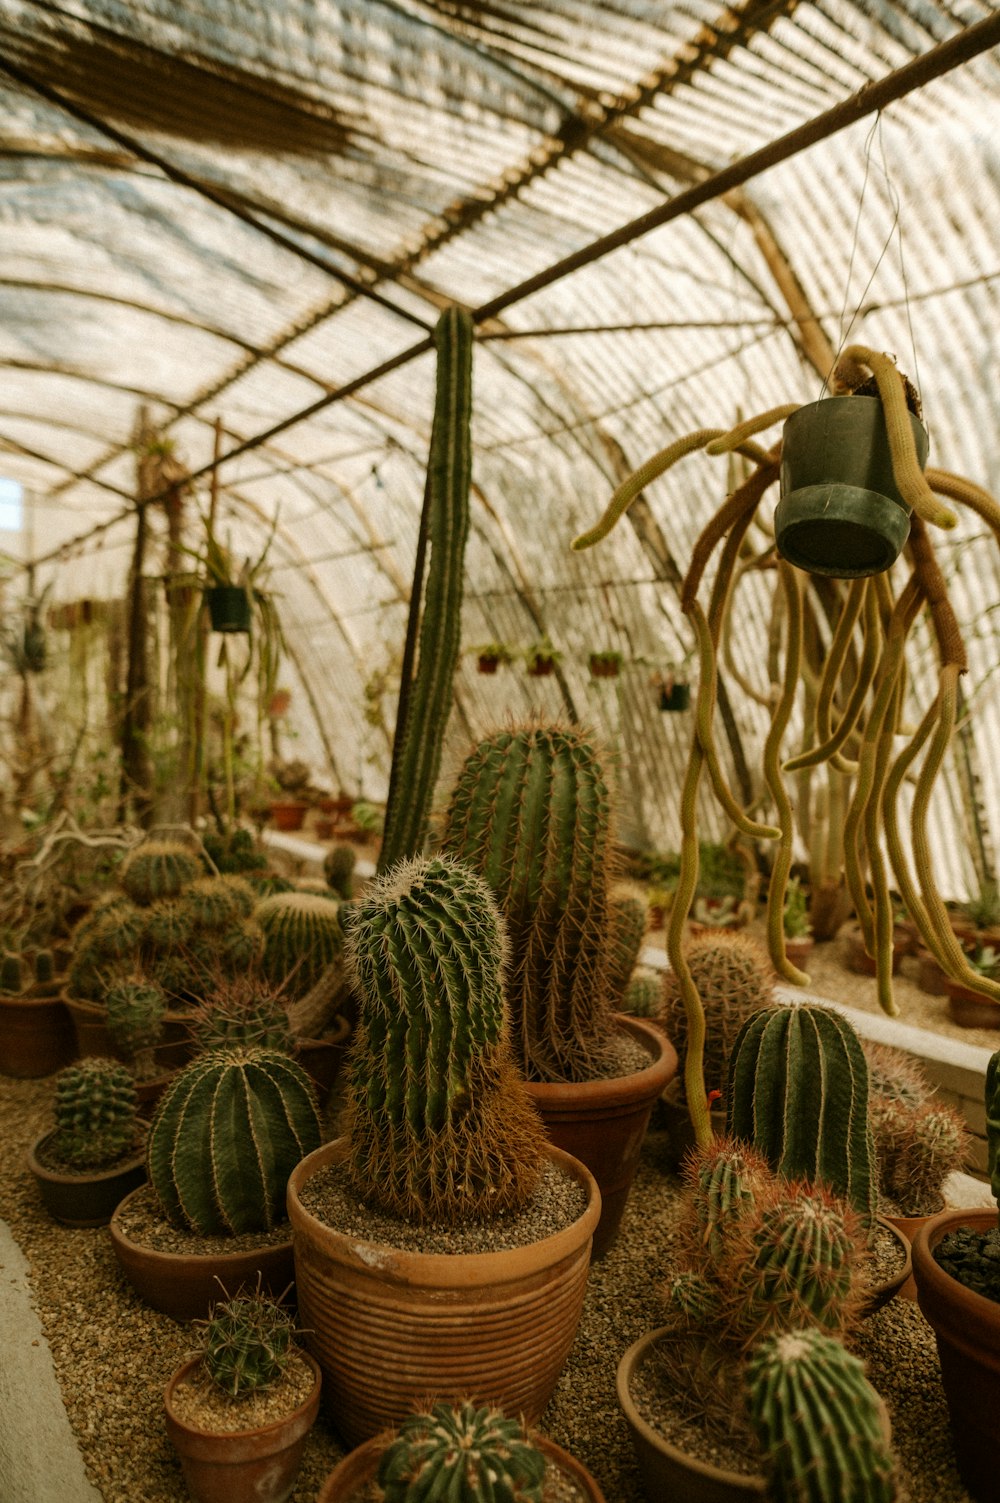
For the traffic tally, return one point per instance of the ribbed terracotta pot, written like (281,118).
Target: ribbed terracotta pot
(88,1197)
(36,1036)
(349,1478)
(391,1327)
(910,1226)
(967,1330)
(603,1122)
(241,1466)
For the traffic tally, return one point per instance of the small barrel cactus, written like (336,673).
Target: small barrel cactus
(463,1454)
(303,935)
(629,917)
(243,1010)
(135,1008)
(919,1140)
(246,1343)
(798,1091)
(214,902)
(11,975)
(734,979)
(167,923)
(818,1422)
(338,869)
(95,1112)
(644,994)
(723,1181)
(225,1137)
(158,869)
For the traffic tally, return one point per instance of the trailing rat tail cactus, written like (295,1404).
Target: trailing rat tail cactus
(439,1121)
(531,812)
(226,1135)
(734,977)
(818,1422)
(303,935)
(338,869)
(246,1343)
(629,917)
(158,869)
(425,700)
(644,994)
(798,1091)
(95,1112)
(462,1454)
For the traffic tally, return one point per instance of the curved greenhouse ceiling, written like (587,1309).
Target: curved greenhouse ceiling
(238,222)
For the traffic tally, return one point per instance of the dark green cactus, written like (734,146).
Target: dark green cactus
(225,1137)
(629,918)
(11,974)
(734,978)
(136,1008)
(723,1182)
(303,935)
(916,1148)
(95,1113)
(243,1010)
(168,923)
(338,869)
(644,994)
(45,967)
(246,1343)
(212,902)
(158,869)
(798,1091)
(440,1123)
(993,1123)
(425,699)
(531,812)
(464,1455)
(818,1422)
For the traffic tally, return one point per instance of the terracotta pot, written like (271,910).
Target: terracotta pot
(967,1330)
(542,667)
(798,950)
(856,957)
(910,1226)
(603,1122)
(602,668)
(36,1036)
(323,827)
(388,1326)
(969,1008)
(90,1026)
(657,916)
(930,976)
(85,1197)
(349,1478)
(184,1285)
(486,663)
(241,1466)
(288,815)
(677,1120)
(880,1294)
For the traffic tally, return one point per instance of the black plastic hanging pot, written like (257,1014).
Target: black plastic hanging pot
(229,608)
(840,512)
(676,698)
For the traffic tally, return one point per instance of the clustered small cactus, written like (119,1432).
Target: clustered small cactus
(95,1114)
(462,1454)
(735,980)
(919,1140)
(246,1343)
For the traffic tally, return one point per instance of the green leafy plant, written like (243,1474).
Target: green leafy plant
(796,912)
(493,652)
(542,654)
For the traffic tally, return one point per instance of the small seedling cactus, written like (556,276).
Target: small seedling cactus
(463,1454)
(644,995)
(95,1113)
(629,917)
(44,967)
(246,1343)
(158,869)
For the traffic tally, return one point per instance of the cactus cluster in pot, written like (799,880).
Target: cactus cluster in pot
(96,1123)
(919,1139)
(464,1452)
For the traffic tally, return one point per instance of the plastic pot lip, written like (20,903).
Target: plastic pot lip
(808,411)
(650,1081)
(440,1270)
(887,519)
(299,1412)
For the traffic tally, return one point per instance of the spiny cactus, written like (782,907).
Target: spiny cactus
(916,1148)
(167,923)
(212,902)
(440,1123)
(338,869)
(895,1076)
(734,978)
(243,1010)
(95,1113)
(303,935)
(530,811)
(463,1454)
(11,975)
(45,967)
(644,995)
(158,869)
(723,1181)
(629,917)
(818,1422)
(246,1343)
(798,1091)
(225,1137)
(136,1008)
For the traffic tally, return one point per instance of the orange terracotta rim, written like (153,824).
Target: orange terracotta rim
(620,1088)
(304,1412)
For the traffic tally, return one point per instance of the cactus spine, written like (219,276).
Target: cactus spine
(226,1135)
(734,978)
(817,1419)
(798,1091)
(302,937)
(243,1010)
(462,1454)
(531,812)
(246,1343)
(425,701)
(95,1112)
(439,1121)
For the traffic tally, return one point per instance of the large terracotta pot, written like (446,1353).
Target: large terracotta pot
(389,1327)
(349,1478)
(241,1466)
(603,1122)
(36,1036)
(87,1197)
(175,1047)
(967,1329)
(184,1285)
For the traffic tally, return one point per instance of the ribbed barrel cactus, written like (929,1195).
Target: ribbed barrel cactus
(95,1112)
(735,979)
(243,1010)
(530,811)
(440,1123)
(225,1137)
(798,1091)
(158,869)
(338,869)
(303,935)
(246,1343)
(461,1454)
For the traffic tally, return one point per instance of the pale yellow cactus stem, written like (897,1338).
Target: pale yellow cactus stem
(910,479)
(969,494)
(908,890)
(791,584)
(737,436)
(832,666)
(881,899)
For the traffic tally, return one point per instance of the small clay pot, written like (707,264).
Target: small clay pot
(970,1008)
(287,814)
(84,1197)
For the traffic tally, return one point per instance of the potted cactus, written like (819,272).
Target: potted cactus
(420,1264)
(238,1412)
(36,1031)
(490,655)
(605,664)
(795,921)
(94,1154)
(541,657)
(461,1451)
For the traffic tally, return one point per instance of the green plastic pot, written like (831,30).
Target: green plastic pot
(840,512)
(228,608)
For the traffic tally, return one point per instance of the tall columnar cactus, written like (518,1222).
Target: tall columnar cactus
(629,917)
(440,1123)
(303,935)
(531,812)
(993,1123)
(246,1343)
(158,869)
(425,700)
(798,1091)
(735,979)
(95,1112)
(226,1135)
(11,975)
(818,1422)
(462,1454)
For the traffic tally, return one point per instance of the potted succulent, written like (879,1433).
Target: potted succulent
(94,1155)
(233,591)
(462,1451)
(605,664)
(420,1264)
(490,655)
(673,690)
(541,657)
(238,1412)
(967,1006)
(548,855)
(795,919)
(36,1031)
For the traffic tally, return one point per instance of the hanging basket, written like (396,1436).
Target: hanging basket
(675,698)
(228,608)
(840,512)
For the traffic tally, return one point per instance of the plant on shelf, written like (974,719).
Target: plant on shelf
(541,656)
(717,913)
(672,688)
(492,655)
(629,914)
(94,1154)
(982,910)
(854,493)
(795,920)
(605,664)
(919,1139)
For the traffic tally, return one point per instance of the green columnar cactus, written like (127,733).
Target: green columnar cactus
(993,1123)
(462,1454)
(95,1112)
(338,869)
(226,1135)
(440,1123)
(818,1422)
(734,978)
(629,917)
(798,1091)
(424,709)
(243,1010)
(45,967)
(531,812)
(723,1181)
(303,935)
(136,1008)
(158,869)
(644,994)
(11,976)
(246,1343)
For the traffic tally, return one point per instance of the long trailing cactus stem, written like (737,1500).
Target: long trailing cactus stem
(791,584)
(420,736)
(732,440)
(832,667)
(971,495)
